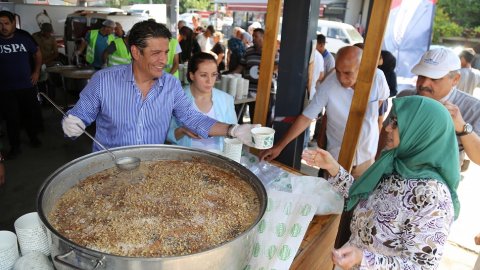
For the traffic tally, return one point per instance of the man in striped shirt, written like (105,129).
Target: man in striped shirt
(133,104)
(250,68)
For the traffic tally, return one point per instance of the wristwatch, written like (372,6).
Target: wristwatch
(467,129)
(230,130)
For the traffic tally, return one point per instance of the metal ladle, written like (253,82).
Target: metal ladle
(123,163)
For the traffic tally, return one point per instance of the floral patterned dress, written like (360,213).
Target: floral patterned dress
(403,224)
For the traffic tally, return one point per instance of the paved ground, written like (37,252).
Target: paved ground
(26,173)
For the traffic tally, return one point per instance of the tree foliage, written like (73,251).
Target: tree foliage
(443,26)
(185,5)
(147,2)
(463,12)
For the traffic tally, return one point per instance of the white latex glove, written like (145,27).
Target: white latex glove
(243,133)
(73,126)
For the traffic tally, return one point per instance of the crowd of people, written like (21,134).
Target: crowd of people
(407,168)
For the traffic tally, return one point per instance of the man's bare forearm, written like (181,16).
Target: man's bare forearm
(471,145)
(300,125)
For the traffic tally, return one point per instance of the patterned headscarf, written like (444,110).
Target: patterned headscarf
(428,149)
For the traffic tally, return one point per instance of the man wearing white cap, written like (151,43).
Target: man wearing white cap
(438,76)
(96,41)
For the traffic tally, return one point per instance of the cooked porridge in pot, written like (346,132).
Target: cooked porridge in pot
(166,208)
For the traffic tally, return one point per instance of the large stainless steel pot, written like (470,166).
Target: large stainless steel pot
(68,255)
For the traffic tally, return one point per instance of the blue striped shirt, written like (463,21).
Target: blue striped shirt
(123,117)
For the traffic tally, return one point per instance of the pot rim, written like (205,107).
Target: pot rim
(51,177)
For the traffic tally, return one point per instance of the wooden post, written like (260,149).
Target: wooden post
(267,62)
(371,53)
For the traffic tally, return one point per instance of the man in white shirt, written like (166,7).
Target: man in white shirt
(328,66)
(335,95)
(469,77)
(316,76)
(328,59)
(205,39)
(318,73)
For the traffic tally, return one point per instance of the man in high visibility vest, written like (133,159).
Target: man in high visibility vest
(117,52)
(96,41)
(173,59)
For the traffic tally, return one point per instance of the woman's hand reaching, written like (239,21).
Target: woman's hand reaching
(322,159)
(347,257)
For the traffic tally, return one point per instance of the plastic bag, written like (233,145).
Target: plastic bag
(328,200)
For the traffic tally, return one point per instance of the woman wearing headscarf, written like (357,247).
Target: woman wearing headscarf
(406,201)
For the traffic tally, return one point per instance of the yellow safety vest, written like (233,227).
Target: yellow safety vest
(172,47)
(91,45)
(121,56)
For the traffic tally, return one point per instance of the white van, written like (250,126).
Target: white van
(153,11)
(338,34)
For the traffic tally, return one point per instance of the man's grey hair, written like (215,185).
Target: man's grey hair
(453,73)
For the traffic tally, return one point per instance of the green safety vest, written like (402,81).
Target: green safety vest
(92,43)
(172,47)
(121,55)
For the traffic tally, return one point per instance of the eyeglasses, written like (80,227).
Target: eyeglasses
(394,122)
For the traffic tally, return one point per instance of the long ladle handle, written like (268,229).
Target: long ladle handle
(86,133)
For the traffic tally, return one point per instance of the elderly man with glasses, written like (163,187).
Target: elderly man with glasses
(438,76)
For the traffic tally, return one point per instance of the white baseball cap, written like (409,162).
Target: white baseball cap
(437,63)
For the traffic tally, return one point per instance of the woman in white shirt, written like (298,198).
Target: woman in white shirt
(202,74)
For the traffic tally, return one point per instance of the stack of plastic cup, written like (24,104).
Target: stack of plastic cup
(224,82)
(8,250)
(239,92)
(218,85)
(246,84)
(32,235)
(232,148)
(232,85)
(180,72)
(185,73)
